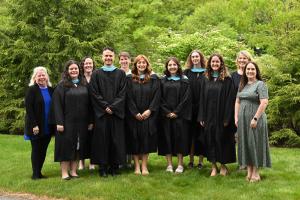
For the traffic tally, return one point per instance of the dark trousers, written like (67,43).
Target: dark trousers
(38,154)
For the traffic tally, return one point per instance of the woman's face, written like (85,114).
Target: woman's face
(195,57)
(172,67)
(124,61)
(41,78)
(215,63)
(242,61)
(73,71)
(141,65)
(251,71)
(88,65)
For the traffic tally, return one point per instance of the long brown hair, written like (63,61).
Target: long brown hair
(223,69)
(67,80)
(189,63)
(244,78)
(179,70)
(135,73)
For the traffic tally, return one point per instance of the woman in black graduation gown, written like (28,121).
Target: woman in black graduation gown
(216,115)
(87,67)
(242,58)
(143,97)
(195,68)
(71,108)
(37,127)
(175,114)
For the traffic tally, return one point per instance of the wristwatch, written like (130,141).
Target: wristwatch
(255,118)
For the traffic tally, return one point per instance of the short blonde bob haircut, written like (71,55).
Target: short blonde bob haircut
(35,71)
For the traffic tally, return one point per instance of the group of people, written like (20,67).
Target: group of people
(112,114)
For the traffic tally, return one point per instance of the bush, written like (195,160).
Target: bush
(285,138)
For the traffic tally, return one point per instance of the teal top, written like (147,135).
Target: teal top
(108,68)
(197,70)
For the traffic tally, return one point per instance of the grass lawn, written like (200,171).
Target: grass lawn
(280,182)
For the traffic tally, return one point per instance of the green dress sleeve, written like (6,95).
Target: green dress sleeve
(262,90)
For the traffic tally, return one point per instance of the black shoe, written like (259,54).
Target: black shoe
(33,177)
(114,172)
(103,173)
(74,176)
(190,165)
(42,176)
(66,178)
(200,166)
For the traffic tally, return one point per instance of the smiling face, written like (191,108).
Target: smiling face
(124,62)
(195,57)
(88,65)
(73,71)
(41,78)
(172,67)
(215,63)
(251,72)
(108,57)
(141,65)
(242,60)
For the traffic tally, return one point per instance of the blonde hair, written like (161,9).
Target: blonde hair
(244,53)
(35,71)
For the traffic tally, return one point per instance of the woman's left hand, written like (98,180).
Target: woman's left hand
(253,123)
(35,130)
(146,114)
(90,127)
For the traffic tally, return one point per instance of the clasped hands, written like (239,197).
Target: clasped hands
(172,115)
(146,114)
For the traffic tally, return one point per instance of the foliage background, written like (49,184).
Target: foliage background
(49,33)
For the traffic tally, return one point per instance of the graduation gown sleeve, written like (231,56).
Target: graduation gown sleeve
(58,104)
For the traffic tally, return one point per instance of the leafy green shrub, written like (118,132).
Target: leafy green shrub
(285,138)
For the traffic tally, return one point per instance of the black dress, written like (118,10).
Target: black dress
(196,80)
(108,89)
(174,133)
(217,109)
(71,108)
(142,135)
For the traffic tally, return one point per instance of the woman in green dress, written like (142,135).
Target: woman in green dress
(251,122)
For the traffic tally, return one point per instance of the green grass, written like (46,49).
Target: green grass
(280,182)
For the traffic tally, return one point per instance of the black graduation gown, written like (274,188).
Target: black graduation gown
(196,80)
(174,135)
(71,109)
(35,109)
(108,89)
(217,109)
(142,135)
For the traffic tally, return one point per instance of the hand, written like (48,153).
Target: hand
(60,128)
(225,124)
(139,117)
(202,123)
(236,122)
(173,115)
(146,114)
(35,130)
(253,123)
(90,127)
(108,110)
(168,115)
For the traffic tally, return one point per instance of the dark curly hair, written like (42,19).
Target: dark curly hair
(179,71)
(67,80)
